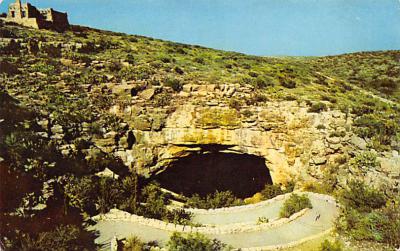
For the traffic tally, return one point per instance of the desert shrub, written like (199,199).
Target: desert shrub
(163,99)
(44,68)
(386,85)
(358,195)
(247,113)
(165,59)
(53,51)
(271,191)
(290,97)
(174,83)
(262,220)
(114,66)
(216,200)
(154,202)
(13,48)
(140,72)
(382,225)
(253,74)
(256,98)
(361,110)
(130,59)
(63,237)
(133,243)
(339,134)
(329,98)
(365,160)
(133,39)
(108,195)
(178,216)
(294,204)
(317,107)
(8,68)
(374,126)
(199,60)
(179,70)
(81,193)
(235,104)
(288,82)
(194,242)
(330,246)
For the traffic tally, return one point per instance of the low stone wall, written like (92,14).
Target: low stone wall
(118,215)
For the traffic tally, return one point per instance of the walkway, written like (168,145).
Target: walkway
(303,227)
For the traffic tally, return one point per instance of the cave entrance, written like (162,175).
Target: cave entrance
(243,174)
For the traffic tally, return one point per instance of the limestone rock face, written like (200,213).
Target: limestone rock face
(297,145)
(283,133)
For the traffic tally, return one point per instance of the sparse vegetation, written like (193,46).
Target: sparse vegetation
(294,204)
(216,200)
(194,242)
(58,100)
(331,246)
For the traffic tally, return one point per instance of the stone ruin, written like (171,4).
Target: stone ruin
(28,15)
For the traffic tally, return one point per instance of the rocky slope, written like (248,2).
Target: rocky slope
(76,103)
(149,110)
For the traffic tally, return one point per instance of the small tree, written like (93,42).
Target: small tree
(133,243)
(294,204)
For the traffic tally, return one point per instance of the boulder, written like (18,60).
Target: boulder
(358,142)
(147,94)
(319,160)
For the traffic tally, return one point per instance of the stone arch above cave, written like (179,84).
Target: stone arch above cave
(206,171)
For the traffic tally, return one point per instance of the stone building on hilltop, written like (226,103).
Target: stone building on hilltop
(28,15)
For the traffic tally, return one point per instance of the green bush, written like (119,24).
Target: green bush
(64,237)
(194,242)
(271,191)
(317,107)
(174,83)
(216,200)
(361,197)
(294,204)
(44,68)
(179,70)
(178,216)
(235,104)
(155,202)
(288,83)
(330,246)
(365,160)
(133,243)
(382,225)
(377,127)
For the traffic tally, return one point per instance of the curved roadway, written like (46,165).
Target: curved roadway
(315,221)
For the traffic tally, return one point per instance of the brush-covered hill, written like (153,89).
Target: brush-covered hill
(77,102)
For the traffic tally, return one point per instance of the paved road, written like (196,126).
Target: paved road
(270,211)
(302,227)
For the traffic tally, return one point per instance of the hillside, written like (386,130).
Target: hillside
(76,103)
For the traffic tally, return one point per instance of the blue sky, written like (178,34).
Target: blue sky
(259,27)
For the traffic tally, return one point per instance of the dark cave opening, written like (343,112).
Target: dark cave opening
(243,174)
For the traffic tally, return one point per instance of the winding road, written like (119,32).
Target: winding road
(313,222)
